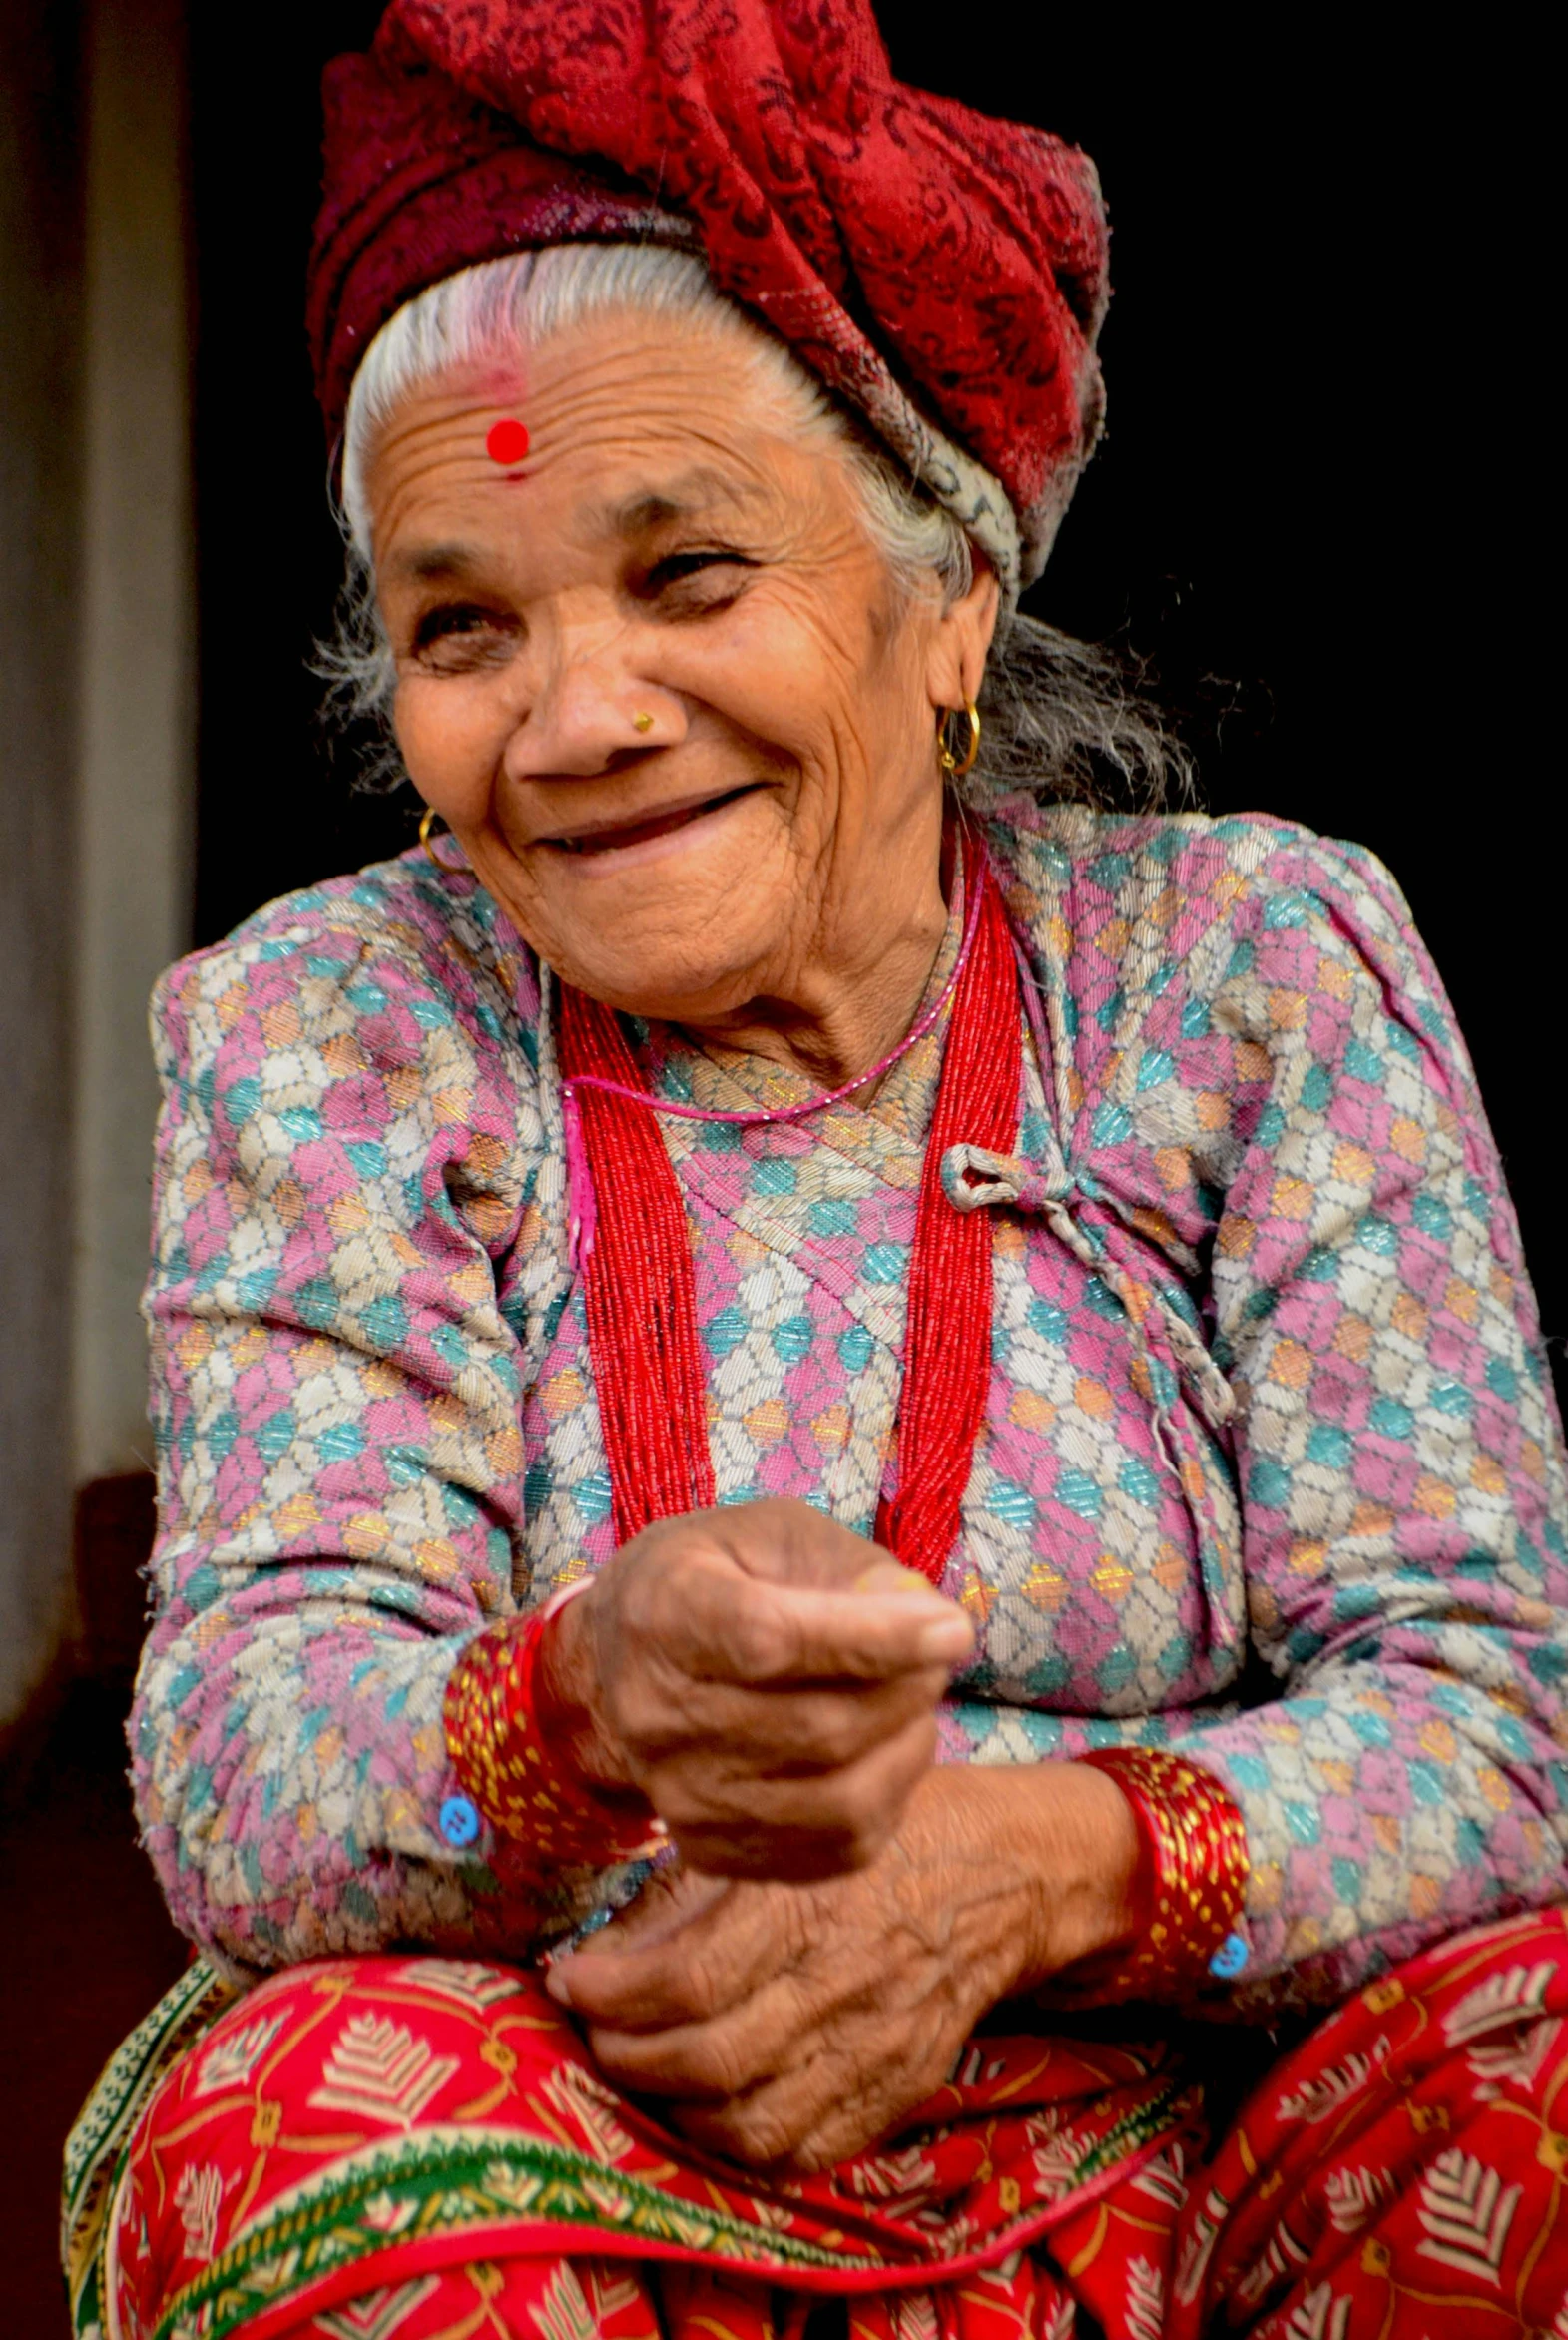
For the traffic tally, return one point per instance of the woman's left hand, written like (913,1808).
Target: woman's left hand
(789,2025)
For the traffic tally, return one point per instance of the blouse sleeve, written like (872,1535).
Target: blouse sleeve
(347,1153)
(1397,1444)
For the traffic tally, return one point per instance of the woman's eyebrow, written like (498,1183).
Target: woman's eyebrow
(433,563)
(683,499)
(694,493)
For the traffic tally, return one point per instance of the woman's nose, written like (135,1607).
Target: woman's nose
(590,710)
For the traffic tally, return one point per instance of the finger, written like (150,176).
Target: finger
(817,2112)
(669,1900)
(759,2132)
(718,1626)
(768,2131)
(785,1542)
(733,1946)
(794,1828)
(778,1730)
(788,2127)
(886,1574)
(709,2062)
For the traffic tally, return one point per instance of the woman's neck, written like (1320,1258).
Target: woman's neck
(843,1012)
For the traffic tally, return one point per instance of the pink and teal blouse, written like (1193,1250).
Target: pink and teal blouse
(1271,1473)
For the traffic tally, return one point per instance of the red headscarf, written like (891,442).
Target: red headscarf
(942,273)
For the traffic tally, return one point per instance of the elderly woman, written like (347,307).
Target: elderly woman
(846,1448)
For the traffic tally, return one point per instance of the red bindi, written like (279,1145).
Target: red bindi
(507,441)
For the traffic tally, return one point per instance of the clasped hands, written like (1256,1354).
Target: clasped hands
(842,1913)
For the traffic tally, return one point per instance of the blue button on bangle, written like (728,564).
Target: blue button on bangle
(459,1821)
(1229,1959)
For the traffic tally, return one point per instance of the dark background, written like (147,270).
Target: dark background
(1319,510)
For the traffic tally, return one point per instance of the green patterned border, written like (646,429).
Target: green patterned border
(405,2189)
(435,2182)
(438,2182)
(96,2146)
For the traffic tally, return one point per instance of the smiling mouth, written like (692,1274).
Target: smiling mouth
(608,840)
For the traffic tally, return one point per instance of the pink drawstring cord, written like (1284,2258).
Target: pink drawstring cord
(582,1210)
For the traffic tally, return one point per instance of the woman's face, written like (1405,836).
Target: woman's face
(665,550)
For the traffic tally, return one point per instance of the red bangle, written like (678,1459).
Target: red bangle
(1195,1861)
(510,1754)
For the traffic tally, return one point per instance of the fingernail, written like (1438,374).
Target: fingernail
(555,1984)
(886,1576)
(946,1638)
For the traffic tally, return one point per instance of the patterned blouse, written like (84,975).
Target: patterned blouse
(1270,1470)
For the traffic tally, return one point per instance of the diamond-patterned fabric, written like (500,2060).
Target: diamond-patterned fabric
(1271,1471)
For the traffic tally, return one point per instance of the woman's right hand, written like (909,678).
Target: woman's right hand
(766,1679)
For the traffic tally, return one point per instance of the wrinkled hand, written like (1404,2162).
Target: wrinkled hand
(789,2025)
(767,1681)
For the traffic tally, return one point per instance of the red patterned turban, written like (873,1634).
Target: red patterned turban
(941,273)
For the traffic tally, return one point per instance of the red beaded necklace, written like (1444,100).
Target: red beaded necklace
(642,1295)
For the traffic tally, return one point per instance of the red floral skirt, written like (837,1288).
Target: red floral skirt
(418,2148)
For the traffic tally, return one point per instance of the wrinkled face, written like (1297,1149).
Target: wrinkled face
(665,550)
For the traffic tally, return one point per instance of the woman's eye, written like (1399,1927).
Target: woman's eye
(706,569)
(461,634)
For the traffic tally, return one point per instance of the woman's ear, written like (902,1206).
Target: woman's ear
(961,641)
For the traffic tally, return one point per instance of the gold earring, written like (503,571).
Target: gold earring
(945,754)
(424,830)
(642,723)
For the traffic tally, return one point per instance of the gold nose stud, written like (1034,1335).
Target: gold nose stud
(642,723)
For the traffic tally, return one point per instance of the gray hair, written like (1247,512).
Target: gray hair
(1060,717)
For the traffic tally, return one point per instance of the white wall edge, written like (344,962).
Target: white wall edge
(135,795)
